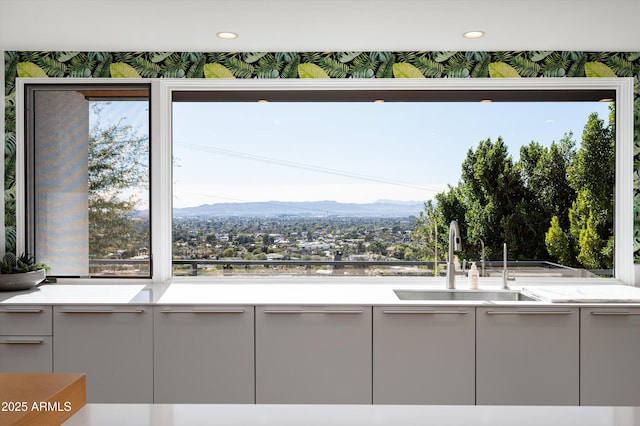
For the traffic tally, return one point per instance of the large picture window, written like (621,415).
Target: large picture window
(377,182)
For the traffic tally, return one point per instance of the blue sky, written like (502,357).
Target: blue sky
(348,152)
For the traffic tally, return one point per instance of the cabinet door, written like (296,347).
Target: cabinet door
(26,354)
(113,345)
(313,355)
(609,354)
(203,355)
(424,355)
(527,356)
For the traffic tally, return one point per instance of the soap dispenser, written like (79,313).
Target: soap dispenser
(474,276)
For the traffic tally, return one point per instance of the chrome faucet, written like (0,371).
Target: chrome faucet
(505,270)
(455,244)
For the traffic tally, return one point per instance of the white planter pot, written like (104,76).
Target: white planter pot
(23,281)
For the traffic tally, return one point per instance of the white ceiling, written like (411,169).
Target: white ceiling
(315,25)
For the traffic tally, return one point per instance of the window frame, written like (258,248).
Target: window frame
(161,140)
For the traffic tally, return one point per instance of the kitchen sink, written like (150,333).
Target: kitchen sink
(481,295)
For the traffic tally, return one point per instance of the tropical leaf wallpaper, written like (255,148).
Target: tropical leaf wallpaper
(411,64)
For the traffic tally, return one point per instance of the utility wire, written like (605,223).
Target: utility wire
(304,166)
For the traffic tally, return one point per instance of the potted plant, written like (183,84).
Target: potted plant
(21,272)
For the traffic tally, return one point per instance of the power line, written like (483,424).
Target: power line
(304,166)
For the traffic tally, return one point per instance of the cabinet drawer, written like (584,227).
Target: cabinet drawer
(527,356)
(204,354)
(17,320)
(313,355)
(112,344)
(609,346)
(424,355)
(26,354)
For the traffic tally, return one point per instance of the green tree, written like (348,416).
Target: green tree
(425,236)
(118,165)
(557,243)
(494,198)
(592,176)
(544,173)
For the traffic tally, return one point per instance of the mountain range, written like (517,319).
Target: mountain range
(382,208)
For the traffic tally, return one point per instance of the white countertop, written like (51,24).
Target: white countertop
(315,291)
(53,294)
(356,415)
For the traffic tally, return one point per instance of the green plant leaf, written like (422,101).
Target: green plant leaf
(10,235)
(334,68)
(386,68)
(122,70)
(539,55)
(217,71)
(308,70)
(502,70)
(66,56)
(251,57)
(156,57)
(443,56)
(632,56)
(52,67)
(598,69)
(525,68)
(30,70)
(345,57)
(239,68)
(9,144)
(620,66)
(405,70)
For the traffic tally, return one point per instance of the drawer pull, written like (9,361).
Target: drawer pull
(22,342)
(291,312)
(21,311)
(101,311)
(615,313)
(416,312)
(539,313)
(202,311)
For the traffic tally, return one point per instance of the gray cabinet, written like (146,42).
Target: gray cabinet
(313,355)
(424,355)
(25,339)
(527,356)
(204,354)
(113,345)
(609,354)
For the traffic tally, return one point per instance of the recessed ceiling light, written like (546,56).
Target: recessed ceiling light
(378,101)
(486,101)
(473,34)
(263,101)
(226,35)
(606,100)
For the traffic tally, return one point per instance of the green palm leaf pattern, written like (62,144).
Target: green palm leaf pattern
(381,64)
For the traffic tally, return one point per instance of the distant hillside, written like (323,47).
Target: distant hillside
(303,209)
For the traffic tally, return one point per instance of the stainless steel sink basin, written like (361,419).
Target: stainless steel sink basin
(481,295)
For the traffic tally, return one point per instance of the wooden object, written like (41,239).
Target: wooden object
(40,398)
